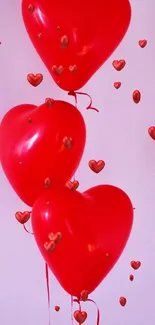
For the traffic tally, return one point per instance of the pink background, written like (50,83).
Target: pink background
(118,135)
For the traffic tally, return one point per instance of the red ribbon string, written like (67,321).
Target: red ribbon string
(98,311)
(72,309)
(48,292)
(30,233)
(75,93)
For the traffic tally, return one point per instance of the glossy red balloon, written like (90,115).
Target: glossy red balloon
(33,150)
(74,38)
(95,226)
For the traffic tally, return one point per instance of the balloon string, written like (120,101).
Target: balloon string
(73,93)
(48,292)
(72,309)
(30,233)
(98,311)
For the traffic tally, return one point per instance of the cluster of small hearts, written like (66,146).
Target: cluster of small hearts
(80,235)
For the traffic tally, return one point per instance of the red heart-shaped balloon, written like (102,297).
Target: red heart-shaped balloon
(77,36)
(95,226)
(33,155)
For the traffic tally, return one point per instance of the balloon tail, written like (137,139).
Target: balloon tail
(73,93)
(48,292)
(29,232)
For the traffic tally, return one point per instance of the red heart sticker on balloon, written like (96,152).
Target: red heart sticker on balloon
(35,80)
(92,224)
(34,156)
(72,43)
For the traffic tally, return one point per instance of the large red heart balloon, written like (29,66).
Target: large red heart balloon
(95,227)
(41,146)
(74,38)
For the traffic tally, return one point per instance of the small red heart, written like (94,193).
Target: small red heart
(142,43)
(68,142)
(131,277)
(136,96)
(151,132)
(35,80)
(135,264)
(84,295)
(58,70)
(47,182)
(56,238)
(64,41)
(122,301)
(96,166)
(57,308)
(72,185)
(49,102)
(31,8)
(22,217)
(119,64)
(117,84)
(50,246)
(80,316)
(73,68)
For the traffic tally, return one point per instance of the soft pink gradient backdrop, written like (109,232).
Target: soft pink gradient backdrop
(118,135)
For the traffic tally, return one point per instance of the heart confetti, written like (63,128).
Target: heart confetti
(96,166)
(67,142)
(47,182)
(142,43)
(136,96)
(151,132)
(57,308)
(49,102)
(50,246)
(22,217)
(58,70)
(80,316)
(135,264)
(117,84)
(55,237)
(72,185)
(31,8)
(119,64)
(35,80)
(122,301)
(131,277)
(64,41)
(73,68)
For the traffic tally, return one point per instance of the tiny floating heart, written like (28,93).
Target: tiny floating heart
(117,84)
(122,301)
(119,64)
(96,166)
(142,43)
(135,264)
(151,132)
(136,96)
(35,80)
